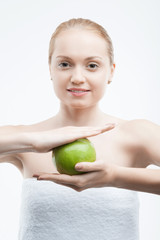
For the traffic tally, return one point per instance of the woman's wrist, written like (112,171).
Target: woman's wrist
(26,142)
(114,175)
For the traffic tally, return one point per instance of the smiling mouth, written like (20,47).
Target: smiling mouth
(77,90)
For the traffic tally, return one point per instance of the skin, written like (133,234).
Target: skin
(76,72)
(123,151)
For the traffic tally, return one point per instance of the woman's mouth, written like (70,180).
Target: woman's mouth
(78,91)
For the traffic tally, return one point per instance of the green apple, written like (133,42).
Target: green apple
(67,155)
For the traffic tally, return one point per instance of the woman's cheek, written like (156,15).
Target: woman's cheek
(100,86)
(99,80)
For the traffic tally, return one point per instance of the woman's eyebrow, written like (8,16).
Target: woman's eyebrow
(88,58)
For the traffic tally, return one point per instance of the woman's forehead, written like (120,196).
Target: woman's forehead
(85,45)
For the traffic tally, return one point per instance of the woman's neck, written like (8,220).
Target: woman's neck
(90,116)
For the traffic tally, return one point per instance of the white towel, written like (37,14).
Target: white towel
(53,212)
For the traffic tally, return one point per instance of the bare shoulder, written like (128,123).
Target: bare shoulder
(139,127)
(144,136)
(40,126)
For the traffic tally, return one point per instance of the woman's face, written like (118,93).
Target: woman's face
(80,68)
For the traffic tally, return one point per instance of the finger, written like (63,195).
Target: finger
(95,131)
(58,178)
(42,173)
(107,127)
(76,182)
(47,177)
(88,166)
(37,174)
(104,128)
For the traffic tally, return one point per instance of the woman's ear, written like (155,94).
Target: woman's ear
(111,73)
(50,71)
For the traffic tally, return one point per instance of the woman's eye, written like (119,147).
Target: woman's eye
(93,66)
(64,64)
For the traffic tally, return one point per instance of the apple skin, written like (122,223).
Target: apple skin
(67,155)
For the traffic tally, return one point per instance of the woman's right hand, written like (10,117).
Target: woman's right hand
(45,141)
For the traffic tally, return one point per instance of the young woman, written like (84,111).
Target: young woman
(81,64)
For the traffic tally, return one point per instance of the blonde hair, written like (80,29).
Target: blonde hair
(82,24)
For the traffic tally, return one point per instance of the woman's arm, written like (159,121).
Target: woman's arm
(146,180)
(138,179)
(16,139)
(101,174)
(149,135)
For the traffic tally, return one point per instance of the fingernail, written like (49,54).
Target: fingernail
(78,166)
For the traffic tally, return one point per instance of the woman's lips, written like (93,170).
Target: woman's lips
(78,91)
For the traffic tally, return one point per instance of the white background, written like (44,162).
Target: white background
(26,94)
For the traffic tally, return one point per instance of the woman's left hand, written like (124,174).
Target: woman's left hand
(98,174)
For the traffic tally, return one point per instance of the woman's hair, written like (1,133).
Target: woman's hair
(84,24)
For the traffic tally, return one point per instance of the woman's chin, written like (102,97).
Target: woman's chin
(78,105)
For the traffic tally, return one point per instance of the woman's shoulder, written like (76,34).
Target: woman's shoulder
(39,126)
(124,125)
(130,123)
(136,125)
(137,131)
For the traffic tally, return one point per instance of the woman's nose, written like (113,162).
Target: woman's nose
(77,76)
